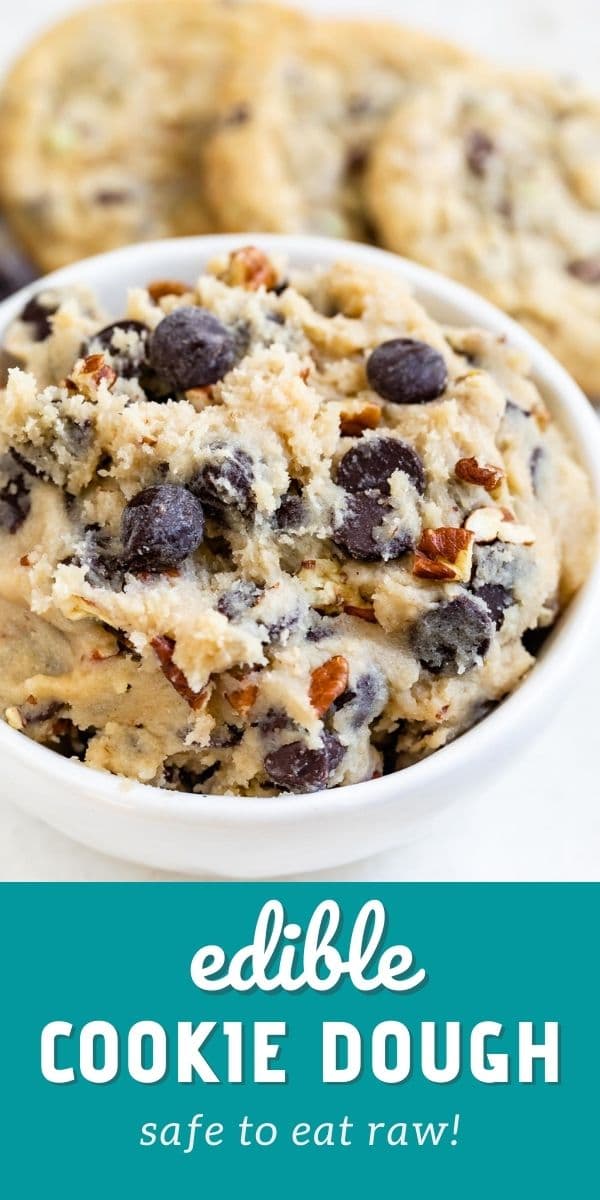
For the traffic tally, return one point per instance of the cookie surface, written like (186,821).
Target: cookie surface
(494,179)
(258,537)
(297,123)
(102,122)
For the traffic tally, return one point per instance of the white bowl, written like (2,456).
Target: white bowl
(254,838)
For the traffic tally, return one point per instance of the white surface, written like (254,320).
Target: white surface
(542,820)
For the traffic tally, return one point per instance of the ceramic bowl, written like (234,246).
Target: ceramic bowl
(256,838)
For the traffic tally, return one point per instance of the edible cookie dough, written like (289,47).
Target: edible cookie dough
(272,532)
(495,179)
(102,122)
(297,122)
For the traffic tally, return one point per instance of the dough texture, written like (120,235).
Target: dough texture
(326,550)
(494,179)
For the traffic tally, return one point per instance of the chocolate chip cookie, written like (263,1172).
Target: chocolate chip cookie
(103,119)
(272,531)
(297,122)
(494,179)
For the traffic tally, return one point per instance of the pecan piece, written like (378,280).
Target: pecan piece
(363,612)
(327,682)
(250,268)
(445,554)
(469,471)
(89,374)
(355,419)
(168,287)
(426,568)
(489,524)
(243,700)
(164,648)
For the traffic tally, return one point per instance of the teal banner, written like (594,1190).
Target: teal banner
(267,1040)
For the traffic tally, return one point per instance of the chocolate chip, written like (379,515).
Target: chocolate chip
(105,571)
(496,599)
(280,629)
(15,273)
(405,371)
(38,714)
(360,532)
(365,701)
(191,348)
(242,596)
(479,148)
(15,503)
(292,510)
(321,628)
(77,436)
(225,482)
(226,736)
(587,270)
(369,465)
(334,749)
(274,720)
(126,363)
(296,768)
(160,527)
(453,636)
(37,313)
(103,566)
(29,467)
(534,639)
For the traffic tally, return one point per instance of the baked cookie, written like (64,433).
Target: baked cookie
(15,270)
(272,532)
(102,122)
(297,124)
(494,179)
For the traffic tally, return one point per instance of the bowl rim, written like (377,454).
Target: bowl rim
(513,717)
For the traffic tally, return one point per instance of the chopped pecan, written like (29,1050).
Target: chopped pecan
(364,613)
(250,268)
(470,471)
(357,417)
(426,568)
(445,554)
(167,287)
(164,648)
(489,524)
(89,374)
(243,700)
(327,682)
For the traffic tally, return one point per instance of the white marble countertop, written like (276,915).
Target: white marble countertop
(541,819)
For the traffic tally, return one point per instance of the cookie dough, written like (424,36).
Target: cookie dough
(494,179)
(102,122)
(272,531)
(297,123)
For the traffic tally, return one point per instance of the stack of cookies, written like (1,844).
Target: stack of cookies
(143,119)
